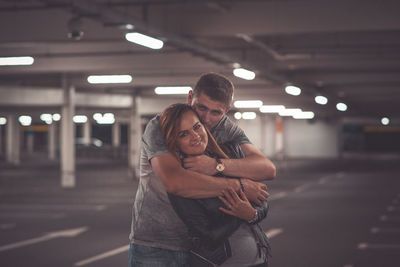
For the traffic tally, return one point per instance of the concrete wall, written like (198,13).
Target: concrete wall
(304,139)
(300,137)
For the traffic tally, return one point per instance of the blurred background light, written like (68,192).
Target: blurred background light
(292,90)
(99,79)
(244,74)
(25,120)
(172,90)
(144,40)
(248,104)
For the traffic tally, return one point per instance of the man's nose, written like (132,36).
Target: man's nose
(206,118)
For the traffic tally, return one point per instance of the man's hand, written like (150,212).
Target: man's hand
(201,164)
(256,192)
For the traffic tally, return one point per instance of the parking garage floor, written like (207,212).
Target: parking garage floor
(342,213)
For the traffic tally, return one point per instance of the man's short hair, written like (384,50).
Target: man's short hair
(215,86)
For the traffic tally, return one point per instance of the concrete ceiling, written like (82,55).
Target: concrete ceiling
(347,50)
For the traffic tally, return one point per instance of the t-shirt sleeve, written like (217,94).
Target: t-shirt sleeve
(153,141)
(229,132)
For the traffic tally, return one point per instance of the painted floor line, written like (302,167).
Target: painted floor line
(376,230)
(364,246)
(63,207)
(385,218)
(6,226)
(103,255)
(52,235)
(274,232)
(301,188)
(278,195)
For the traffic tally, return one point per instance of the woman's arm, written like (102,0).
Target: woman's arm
(203,220)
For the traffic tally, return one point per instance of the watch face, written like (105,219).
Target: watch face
(220,167)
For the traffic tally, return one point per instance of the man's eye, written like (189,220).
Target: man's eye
(197,126)
(202,108)
(216,113)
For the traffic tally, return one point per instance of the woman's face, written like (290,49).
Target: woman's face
(192,137)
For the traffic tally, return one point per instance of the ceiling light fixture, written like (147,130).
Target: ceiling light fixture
(385,121)
(304,115)
(3,121)
(25,120)
(144,40)
(272,108)
(341,106)
(322,100)
(99,79)
(249,115)
(292,90)
(238,115)
(16,61)
(172,90)
(56,117)
(244,74)
(79,119)
(248,104)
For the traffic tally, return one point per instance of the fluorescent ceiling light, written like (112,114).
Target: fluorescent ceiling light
(244,74)
(248,103)
(144,40)
(238,115)
(292,90)
(79,119)
(304,115)
(107,118)
(290,112)
(47,118)
(272,108)
(97,79)
(56,117)
(15,61)
(3,121)
(249,115)
(25,120)
(385,121)
(172,90)
(341,106)
(322,100)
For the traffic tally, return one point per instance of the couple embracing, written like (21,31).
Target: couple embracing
(199,199)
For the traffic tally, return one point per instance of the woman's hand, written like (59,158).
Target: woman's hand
(238,205)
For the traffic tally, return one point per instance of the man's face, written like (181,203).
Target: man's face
(210,111)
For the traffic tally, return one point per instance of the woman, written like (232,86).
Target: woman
(217,237)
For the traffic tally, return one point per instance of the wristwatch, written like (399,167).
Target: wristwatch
(220,166)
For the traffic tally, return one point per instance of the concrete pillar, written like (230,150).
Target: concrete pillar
(87,133)
(30,141)
(135,134)
(51,141)
(116,134)
(12,140)
(68,136)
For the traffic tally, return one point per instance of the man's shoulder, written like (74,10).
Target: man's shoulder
(153,126)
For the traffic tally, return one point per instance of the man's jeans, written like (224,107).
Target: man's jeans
(143,256)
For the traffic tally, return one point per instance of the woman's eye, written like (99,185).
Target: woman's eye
(197,126)
(183,134)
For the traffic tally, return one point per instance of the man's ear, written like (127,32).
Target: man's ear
(190,96)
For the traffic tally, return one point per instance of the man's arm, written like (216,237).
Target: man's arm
(254,165)
(186,183)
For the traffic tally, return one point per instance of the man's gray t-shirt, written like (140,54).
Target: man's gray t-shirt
(154,222)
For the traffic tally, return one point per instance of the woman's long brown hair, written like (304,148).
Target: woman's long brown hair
(170,120)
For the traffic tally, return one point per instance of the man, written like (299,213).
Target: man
(158,237)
